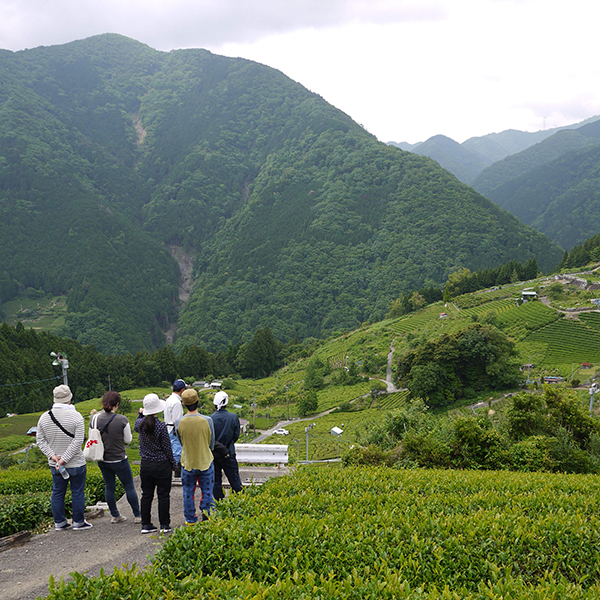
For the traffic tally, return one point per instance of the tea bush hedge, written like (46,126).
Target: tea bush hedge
(380,533)
(31,490)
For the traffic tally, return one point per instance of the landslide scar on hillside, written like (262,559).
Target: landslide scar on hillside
(139,128)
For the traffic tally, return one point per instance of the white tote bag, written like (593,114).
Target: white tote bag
(94,447)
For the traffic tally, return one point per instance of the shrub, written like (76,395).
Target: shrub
(125,406)
(368,456)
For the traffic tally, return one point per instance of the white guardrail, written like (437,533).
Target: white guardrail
(262,453)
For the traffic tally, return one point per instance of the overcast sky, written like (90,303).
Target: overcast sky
(404,69)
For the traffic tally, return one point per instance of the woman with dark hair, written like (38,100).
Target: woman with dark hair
(116,432)
(157,464)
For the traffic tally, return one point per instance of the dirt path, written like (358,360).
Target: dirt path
(25,570)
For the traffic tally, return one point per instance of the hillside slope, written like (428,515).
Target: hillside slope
(560,198)
(550,149)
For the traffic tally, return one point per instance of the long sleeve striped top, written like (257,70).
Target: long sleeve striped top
(51,440)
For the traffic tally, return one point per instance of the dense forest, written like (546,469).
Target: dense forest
(28,375)
(297,219)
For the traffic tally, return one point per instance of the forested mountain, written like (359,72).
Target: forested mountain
(551,148)
(477,156)
(560,198)
(297,218)
(454,157)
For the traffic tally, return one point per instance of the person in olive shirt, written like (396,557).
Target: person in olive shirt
(197,436)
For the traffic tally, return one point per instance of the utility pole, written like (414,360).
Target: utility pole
(307,429)
(297,449)
(60,359)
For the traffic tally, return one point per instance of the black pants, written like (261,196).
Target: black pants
(230,466)
(156,474)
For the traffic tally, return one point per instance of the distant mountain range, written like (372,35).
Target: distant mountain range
(548,178)
(124,171)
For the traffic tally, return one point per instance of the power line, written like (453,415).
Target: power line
(43,387)
(29,382)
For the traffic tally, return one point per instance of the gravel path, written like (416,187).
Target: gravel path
(25,570)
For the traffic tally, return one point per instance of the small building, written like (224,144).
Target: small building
(527,366)
(586,365)
(443,315)
(527,295)
(552,379)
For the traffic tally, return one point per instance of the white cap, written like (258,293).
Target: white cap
(221,399)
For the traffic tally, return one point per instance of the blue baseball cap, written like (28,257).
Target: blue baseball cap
(179,385)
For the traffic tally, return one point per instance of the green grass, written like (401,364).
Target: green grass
(322,445)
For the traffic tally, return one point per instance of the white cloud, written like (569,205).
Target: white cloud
(405,69)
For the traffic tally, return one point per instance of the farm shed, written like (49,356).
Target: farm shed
(527,295)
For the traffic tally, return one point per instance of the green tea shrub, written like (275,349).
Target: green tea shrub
(379,533)
(30,487)
(368,456)
(21,512)
(10,443)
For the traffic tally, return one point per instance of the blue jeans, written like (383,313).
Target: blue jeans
(230,466)
(175,446)
(59,491)
(122,470)
(205,480)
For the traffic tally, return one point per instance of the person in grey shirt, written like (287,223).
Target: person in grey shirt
(116,432)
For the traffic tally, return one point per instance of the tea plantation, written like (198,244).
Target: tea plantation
(380,533)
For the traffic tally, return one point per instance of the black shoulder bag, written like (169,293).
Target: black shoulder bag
(59,425)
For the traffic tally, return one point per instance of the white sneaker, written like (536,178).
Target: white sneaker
(119,519)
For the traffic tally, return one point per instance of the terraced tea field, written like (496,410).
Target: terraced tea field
(518,321)
(568,341)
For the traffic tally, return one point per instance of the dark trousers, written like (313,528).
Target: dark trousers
(228,465)
(156,475)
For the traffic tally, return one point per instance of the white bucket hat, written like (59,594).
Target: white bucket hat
(62,394)
(153,405)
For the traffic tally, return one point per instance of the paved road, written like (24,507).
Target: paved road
(25,570)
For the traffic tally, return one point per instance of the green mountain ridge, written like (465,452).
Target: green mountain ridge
(298,219)
(487,157)
(559,198)
(454,157)
(551,148)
